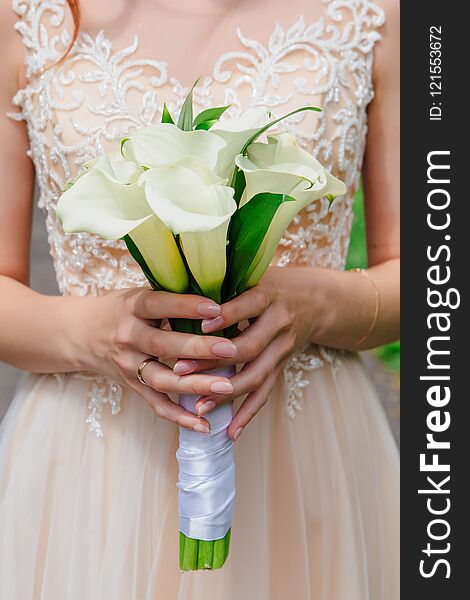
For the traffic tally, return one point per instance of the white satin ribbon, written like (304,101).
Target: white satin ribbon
(206,472)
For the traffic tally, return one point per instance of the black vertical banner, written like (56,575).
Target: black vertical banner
(435,199)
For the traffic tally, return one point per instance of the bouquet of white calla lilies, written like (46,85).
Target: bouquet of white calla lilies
(201,206)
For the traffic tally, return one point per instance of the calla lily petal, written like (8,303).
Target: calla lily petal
(270,180)
(235,133)
(99,204)
(206,257)
(188,197)
(113,163)
(165,143)
(158,248)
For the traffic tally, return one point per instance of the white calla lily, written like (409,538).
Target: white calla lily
(236,132)
(165,143)
(281,166)
(158,248)
(194,204)
(100,204)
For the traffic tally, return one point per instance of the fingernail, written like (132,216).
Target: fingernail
(183,367)
(201,428)
(224,349)
(222,387)
(206,407)
(209,325)
(237,434)
(208,309)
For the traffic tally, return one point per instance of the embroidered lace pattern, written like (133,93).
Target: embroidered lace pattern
(76,109)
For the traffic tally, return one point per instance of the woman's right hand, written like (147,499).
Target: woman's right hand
(123,328)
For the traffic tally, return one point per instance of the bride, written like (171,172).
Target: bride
(88,502)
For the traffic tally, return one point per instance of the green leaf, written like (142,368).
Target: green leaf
(260,131)
(166,117)
(185,121)
(248,228)
(210,115)
(239,185)
(206,125)
(141,262)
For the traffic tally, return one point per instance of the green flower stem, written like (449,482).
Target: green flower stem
(188,562)
(205,554)
(200,554)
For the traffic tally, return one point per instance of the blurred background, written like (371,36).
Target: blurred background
(382,363)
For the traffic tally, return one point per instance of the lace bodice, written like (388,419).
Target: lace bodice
(77,108)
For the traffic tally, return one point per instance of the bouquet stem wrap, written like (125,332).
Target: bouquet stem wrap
(206,486)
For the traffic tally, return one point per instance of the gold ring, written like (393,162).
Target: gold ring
(141,367)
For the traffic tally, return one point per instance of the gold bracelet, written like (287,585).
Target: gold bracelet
(365,273)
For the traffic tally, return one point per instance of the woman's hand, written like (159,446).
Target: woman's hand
(288,309)
(122,329)
(284,311)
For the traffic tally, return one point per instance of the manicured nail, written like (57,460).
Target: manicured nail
(224,349)
(237,434)
(201,428)
(208,309)
(183,367)
(206,407)
(222,387)
(209,325)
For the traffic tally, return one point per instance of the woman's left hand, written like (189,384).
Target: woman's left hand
(283,310)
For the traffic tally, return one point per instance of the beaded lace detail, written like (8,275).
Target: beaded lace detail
(77,108)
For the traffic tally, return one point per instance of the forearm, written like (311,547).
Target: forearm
(39,333)
(349,302)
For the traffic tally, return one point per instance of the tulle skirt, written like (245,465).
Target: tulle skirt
(88,518)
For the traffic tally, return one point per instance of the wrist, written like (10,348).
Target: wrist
(77,323)
(325,289)
(345,306)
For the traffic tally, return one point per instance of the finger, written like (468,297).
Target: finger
(250,304)
(250,378)
(184,366)
(250,406)
(172,344)
(256,337)
(163,379)
(170,411)
(248,345)
(150,304)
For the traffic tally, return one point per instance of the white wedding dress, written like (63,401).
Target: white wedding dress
(88,498)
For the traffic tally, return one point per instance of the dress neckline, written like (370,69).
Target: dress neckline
(332,31)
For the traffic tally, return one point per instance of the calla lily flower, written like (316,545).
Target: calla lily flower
(100,203)
(281,166)
(165,143)
(196,205)
(113,163)
(236,132)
